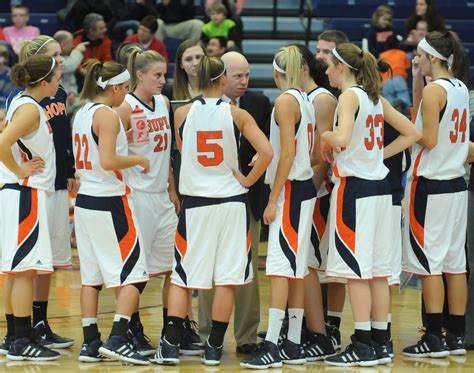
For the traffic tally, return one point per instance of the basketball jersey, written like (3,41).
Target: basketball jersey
(95,181)
(446,160)
(326,186)
(304,141)
(157,149)
(209,151)
(363,156)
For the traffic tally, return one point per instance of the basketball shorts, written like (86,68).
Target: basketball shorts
(289,234)
(212,243)
(434,234)
(319,242)
(396,248)
(157,219)
(108,242)
(360,229)
(25,239)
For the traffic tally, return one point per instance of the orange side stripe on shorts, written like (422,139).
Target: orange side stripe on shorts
(318,219)
(248,240)
(415,226)
(127,243)
(346,234)
(181,244)
(120,177)
(26,226)
(286,226)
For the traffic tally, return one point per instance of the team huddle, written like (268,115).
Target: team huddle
(334,167)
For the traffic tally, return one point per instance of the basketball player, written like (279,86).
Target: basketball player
(107,235)
(212,239)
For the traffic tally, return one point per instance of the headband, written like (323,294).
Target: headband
(425,46)
(42,45)
(49,72)
(218,76)
(117,79)
(338,56)
(278,68)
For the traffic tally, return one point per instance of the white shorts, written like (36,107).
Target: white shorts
(157,219)
(396,250)
(319,242)
(25,242)
(360,229)
(108,242)
(212,243)
(434,234)
(59,232)
(290,232)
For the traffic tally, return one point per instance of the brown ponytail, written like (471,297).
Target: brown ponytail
(96,69)
(33,70)
(211,70)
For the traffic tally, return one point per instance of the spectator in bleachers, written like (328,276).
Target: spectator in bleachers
(100,46)
(14,35)
(327,41)
(128,14)
(6,85)
(176,20)
(416,35)
(145,36)
(220,25)
(84,7)
(216,46)
(234,10)
(428,11)
(124,50)
(380,29)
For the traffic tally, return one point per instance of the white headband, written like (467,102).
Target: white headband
(218,76)
(49,72)
(42,45)
(278,68)
(425,46)
(118,79)
(338,56)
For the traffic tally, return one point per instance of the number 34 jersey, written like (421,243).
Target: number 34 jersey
(157,149)
(209,151)
(95,181)
(446,160)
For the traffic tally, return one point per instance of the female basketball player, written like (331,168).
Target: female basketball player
(436,194)
(108,239)
(26,242)
(212,239)
(360,238)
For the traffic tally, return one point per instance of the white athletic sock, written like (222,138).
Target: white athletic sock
(275,319)
(295,317)
(365,325)
(117,317)
(88,321)
(380,325)
(389,318)
(335,314)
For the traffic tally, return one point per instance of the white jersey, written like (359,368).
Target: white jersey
(446,160)
(363,156)
(157,149)
(95,181)
(37,144)
(304,141)
(209,151)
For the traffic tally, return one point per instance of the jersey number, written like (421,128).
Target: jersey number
(459,126)
(85,144)
(371,123)
(161,142)
(203,146)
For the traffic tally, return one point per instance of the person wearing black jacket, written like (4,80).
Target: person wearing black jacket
(176,20)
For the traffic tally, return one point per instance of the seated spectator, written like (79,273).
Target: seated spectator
(127,15)
(145,36)
(416,35)
(14,35)
(100,46)
(82,8)
(425,10)
(6,85)
(220,25)
(234,10)
(395,88)
(380,29)
(216,46)
(176,20)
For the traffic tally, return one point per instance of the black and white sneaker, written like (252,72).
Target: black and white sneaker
(190,343)
(44,332)
(381,351)
(390,349)
(455,344)
(356,354)
(118,347)
(429,345)
(5,345)
(212,355)
(26,349)
(90,352)
(334,333)
(166,353)
(141,342)
(318,347)
(267,356)
(292,353)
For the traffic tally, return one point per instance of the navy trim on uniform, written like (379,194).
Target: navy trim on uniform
(219,102)
(94,136)
(11,186)
(236,134)
(249,254)
(192,201)
(441,113)
(181,231)
(25,149)
(144,104)
(201,100)
(181,129)
(448,80)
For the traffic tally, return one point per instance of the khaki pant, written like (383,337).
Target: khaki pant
(190,29)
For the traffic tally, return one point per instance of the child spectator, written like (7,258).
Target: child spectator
(380,30)
(395,88)
(220,25)
(6,85)
(216,46)
(145,36)
(416,35)
(14,35)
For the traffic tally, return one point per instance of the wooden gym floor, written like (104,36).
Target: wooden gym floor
(65,319)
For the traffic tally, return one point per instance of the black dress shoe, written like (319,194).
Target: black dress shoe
(247,349)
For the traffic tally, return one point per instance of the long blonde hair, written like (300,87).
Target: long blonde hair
(291,60)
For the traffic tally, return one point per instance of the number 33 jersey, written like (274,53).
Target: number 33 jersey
(363,156)
(95,181)
(157,149)
(209,151)
(446,160)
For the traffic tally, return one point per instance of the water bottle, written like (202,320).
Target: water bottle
(139,126)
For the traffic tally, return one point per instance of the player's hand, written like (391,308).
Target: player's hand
(269,215)
(415,67)
(145,163)
(32,167)
(327,151)
(240,178)
(73,185)
(254,159)
(175,201)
